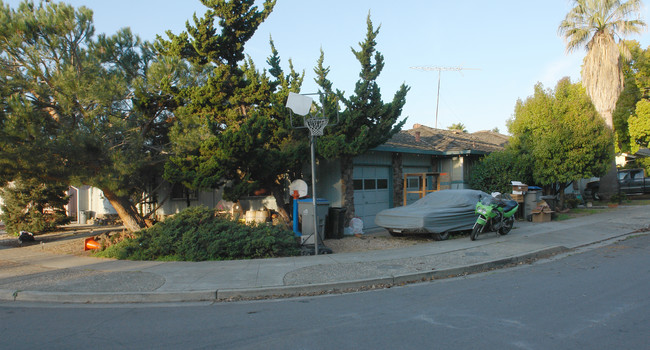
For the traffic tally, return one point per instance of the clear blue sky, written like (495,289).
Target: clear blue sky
(513,43)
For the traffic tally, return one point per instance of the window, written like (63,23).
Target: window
(370,184)
(180,192)
(413,182)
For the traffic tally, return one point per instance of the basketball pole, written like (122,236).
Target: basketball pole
(301,104)
(313,191)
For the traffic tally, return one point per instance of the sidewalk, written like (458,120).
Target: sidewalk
(44,277)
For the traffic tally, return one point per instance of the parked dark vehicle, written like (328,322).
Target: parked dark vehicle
(630,181)
(438,213)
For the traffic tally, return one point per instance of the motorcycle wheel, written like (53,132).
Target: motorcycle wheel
(440,236)
(507,226)
(475,231)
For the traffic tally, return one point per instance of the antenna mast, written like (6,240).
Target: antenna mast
(440,69)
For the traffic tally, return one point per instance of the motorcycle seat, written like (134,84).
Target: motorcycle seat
(508,205)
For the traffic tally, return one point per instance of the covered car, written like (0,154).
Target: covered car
(437,213)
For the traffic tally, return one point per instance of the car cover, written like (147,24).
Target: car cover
(441,211)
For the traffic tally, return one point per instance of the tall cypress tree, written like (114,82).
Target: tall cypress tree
(366,122)
(232,129)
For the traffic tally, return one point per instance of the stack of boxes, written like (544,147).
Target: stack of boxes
(542,213)
(518,191)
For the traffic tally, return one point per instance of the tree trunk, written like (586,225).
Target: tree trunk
(131,219)
(603,80)
(609,183)
(347,187)
(279,202)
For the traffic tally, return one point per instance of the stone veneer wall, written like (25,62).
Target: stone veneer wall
(398,180)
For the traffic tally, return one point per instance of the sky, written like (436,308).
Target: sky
(504,46)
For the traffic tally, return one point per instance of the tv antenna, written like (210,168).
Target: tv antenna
(440,69)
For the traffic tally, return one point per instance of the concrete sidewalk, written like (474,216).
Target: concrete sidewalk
(28,275)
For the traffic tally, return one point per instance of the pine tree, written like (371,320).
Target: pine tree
(232,129)
(78,108)
(366,121)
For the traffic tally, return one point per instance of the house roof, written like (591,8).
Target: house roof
(426,140)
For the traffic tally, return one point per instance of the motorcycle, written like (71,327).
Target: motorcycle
(494,214)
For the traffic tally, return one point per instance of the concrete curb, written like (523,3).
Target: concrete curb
(342,286)
(272,291)
(108,298)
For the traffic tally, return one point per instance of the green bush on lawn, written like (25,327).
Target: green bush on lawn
(196,234)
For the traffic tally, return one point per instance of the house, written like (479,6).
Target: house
(86,203)
(443,158)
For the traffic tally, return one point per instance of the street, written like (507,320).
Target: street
(597,299)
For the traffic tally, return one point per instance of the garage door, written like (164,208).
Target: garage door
(371,193)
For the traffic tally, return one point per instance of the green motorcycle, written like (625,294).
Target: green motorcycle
(494,215)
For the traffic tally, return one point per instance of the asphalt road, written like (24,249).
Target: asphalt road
(596,299)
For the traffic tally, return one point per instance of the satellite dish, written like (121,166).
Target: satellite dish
(300,186)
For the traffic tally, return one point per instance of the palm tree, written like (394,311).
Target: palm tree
(595,25)
(457,126)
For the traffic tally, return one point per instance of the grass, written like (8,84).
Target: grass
(577,212)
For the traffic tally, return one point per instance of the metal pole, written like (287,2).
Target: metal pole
(438,98)
(313,191)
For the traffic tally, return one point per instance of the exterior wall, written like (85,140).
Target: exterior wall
(92,200)
(457,168)
(374,166)
(328,181)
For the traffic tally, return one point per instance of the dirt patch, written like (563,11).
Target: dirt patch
(68,240)
(378,240)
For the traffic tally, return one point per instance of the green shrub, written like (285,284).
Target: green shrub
(495,172)
(571,201)
(196,234)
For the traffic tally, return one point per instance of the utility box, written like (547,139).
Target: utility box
(306,213)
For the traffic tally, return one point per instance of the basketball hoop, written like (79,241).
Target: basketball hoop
(316,125)
(302,105)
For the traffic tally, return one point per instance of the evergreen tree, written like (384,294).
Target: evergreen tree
(366,121)
(232,129)
(78,108)
(33,206)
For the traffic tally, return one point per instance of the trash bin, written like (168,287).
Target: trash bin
(335,222)
(530,202)
(83,217)
(306,212)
